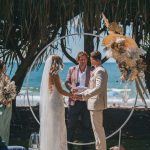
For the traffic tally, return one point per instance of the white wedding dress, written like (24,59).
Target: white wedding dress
(53,134)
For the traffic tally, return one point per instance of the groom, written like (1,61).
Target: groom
(96,95)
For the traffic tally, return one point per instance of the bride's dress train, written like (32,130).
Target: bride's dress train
(52,128)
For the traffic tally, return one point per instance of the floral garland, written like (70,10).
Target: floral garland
(130,61)
(128,55)
(130,65)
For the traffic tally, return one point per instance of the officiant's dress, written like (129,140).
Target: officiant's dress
(53,128)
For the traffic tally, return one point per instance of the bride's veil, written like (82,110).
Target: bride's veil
(44,97)
(44,89)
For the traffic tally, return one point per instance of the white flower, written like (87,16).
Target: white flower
(119,40)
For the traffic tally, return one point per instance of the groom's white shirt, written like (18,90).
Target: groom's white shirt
(96,94)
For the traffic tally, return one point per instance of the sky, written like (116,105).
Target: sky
(75,44)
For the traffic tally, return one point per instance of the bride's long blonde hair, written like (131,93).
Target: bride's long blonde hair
(57,64)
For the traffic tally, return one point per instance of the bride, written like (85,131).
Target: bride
(53,134)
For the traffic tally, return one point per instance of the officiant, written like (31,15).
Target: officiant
(78,80)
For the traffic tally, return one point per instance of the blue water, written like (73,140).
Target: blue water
(113,78)
(112,69)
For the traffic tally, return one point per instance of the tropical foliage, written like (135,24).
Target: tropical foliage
(26,26)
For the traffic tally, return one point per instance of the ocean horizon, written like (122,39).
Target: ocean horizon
(117,90)
(114,81)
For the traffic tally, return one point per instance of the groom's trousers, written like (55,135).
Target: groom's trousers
(98,129)
(79,110)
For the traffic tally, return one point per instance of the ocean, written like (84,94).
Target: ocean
(118,92)
(114,81)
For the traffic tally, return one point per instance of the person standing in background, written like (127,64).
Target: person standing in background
(78,80)
(6,113)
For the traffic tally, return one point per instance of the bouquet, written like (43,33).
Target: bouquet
(7,92)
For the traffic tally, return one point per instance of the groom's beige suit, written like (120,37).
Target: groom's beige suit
(96,95)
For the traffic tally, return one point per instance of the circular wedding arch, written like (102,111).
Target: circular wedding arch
(27,89)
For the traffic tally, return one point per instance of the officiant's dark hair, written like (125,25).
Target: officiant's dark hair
(96,55)
(1,64)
